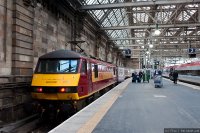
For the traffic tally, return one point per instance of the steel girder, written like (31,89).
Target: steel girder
(137,4)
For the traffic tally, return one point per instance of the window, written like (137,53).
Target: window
(83,67)
(96,71)
(57,66)
(114,71)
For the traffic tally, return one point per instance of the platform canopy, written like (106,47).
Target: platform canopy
(170,26)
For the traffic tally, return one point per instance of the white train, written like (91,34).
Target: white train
(192,68)
(124,73)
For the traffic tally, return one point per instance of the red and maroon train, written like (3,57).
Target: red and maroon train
(64,78)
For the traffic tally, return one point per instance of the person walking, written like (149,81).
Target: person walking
(141,75)
(175,76)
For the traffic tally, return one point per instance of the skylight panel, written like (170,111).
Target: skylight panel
(184,16)
(119,43)
(183,34)
(92,14)
(123,33)
(114,23)
(192,5)
(110,15)
(89,2)
(145,8)
(109,32)
(106,23)
(164,16)
(174,29)
(171,33)
(142,17)
(121,22)
(103,1)
(99,14)
(117,32)
(168,7)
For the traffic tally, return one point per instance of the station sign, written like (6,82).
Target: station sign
(191,50)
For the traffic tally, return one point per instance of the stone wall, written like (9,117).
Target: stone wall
(51,32)
(5,38)
(133,63)
(36,30)
(29,30)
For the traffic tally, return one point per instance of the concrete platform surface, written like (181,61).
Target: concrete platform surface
(86,120)
(138,108)
(141,108)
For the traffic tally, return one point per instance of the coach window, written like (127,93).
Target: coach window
(83,67)
(96,71)
(114,71)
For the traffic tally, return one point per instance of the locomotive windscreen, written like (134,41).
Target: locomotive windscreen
(57,66)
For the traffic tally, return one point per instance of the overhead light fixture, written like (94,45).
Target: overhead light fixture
(157,31)
(142,46)
(151,46)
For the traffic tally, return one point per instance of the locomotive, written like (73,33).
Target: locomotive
(65,80)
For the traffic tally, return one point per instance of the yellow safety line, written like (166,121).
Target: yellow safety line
(89,126)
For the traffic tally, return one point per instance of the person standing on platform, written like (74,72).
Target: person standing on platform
(140,75)
(175,76)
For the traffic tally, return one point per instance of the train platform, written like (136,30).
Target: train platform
(139,108)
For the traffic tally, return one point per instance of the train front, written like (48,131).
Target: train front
(55,81)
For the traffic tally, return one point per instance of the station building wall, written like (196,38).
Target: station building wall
(28,31)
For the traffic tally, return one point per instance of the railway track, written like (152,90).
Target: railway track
(33,124)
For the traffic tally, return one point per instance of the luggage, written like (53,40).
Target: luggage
(158,81)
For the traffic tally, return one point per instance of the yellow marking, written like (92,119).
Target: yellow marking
(89,126)
(64,96)
(55,79)
(55,96)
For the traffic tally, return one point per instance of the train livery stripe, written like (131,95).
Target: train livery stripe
(55,96)
(55,79)
(187,66)
(102,76)
(66,96)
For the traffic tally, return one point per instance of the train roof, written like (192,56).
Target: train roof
(68,54)
(61,54)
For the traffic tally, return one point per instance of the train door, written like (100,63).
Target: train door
(83,83)
(89,74)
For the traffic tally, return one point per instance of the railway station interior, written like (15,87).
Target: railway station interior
(100,66)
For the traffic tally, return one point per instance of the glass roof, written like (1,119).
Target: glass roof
(160,15)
